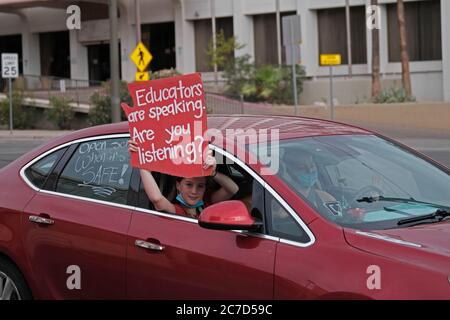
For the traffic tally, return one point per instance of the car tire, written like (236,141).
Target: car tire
(9,273)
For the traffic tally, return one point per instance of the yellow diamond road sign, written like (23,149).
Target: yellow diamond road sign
(142,76)
(330,59)
(141,57)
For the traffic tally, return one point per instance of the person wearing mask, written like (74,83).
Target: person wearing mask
(190,191)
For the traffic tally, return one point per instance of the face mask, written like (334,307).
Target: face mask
(308,179)
(180,199)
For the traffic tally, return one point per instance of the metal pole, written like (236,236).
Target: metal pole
(78,94)
(277,4)
(331,93)
(349,38)
(294,80)
(10,107)
(114,55)
(294,71)
(214,39)
(137,13)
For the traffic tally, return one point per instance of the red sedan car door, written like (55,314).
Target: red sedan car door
(172,257)
(75,235)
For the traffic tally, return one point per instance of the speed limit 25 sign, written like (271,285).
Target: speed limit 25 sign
(10,65)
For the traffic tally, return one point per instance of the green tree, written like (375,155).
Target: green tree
(61,114)
(100,111)
(406,76)
(255,83)
(22,115)
(376,82)
(223,55)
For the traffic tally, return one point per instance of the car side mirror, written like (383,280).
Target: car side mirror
(228,215)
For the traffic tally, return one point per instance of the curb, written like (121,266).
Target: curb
(31,134)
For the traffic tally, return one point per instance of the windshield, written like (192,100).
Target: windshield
(362,181)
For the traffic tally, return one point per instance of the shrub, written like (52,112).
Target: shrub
(165,73)
(22,115)
(273,84)
(100,111)
(61,114)
(393,95)
(256,83)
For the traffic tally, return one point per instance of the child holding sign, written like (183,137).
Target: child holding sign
(190,191)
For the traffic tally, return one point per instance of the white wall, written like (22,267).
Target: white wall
(252,7)
(184,40)
(154,11)
(79,65)
(127,36)
(243,29)
(431,80)
(201,9)
(9,24)
(427,87)
(46,19)
(18,23)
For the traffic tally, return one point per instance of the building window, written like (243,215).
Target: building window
(333,33)
(265,35)
(159,38)
(423,31)
(55,54)
(203,36)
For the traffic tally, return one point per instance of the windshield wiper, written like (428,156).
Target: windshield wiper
(401,200)
(442,212)
(438,216)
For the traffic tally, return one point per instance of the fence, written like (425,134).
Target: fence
(45,87)
(427,118)
(219,104)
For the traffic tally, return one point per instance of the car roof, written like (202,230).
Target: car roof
(287,126)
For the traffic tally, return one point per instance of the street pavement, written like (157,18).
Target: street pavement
(434,144)
(12,146)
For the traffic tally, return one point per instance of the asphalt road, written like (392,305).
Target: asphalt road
(13,149)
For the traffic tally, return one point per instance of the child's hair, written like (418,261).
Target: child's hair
(209,185)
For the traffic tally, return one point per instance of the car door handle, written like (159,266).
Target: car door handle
(148,245)
(41,220)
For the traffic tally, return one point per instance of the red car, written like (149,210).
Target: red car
(331,212)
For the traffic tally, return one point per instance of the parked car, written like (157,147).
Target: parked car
(75,222)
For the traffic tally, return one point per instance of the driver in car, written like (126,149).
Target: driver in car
(302,174)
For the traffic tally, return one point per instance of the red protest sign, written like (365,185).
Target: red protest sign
(168,122)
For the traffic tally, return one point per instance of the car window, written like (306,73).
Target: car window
(98,169)
(364,182)
(39,172)
(249,190)
(281,223)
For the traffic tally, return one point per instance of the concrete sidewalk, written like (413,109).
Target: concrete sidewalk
(31,134)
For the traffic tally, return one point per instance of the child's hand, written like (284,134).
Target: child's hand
(210,161)
(132,146)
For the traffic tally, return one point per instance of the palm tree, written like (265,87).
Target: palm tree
(376,84)
(406,77)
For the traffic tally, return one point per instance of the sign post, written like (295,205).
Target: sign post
(141,58)
(331,60)
(10,69)
(292,38)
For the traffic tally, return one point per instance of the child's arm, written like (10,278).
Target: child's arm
(228,186)
(151,188)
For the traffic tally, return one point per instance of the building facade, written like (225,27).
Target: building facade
(177,32)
